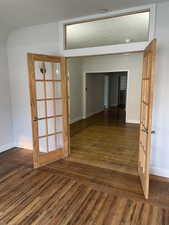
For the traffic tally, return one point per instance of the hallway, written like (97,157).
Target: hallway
(104,140)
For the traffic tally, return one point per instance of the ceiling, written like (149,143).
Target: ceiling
(19,13)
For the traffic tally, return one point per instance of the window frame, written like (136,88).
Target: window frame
(103,18)
(107,49)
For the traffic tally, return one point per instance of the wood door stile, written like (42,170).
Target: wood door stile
(56,146)
(146,115)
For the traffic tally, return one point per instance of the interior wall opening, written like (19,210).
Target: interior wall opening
(110,92)
(104,104)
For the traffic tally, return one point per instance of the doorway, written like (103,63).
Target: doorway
(59,147)
(102,135)
(110,91)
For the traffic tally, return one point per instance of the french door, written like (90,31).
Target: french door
(146,115)
(48,96)
(49,105)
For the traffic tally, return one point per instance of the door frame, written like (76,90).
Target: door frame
(84,96)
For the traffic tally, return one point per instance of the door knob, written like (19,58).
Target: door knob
(146,131)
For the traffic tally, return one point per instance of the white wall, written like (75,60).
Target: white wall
(94,94)
(76,88)
(6,137)
(37,39)
(114,63)
(160,144)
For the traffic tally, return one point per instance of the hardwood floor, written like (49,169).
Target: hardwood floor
(12,159)
(69,193)
(104,140)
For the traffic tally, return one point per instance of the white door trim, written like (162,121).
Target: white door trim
(84,95)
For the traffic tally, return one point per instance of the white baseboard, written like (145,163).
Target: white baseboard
(6,147)
(76,119)
(133,121)
(27,147)
(159,171)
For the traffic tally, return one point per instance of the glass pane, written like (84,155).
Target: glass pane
(51,125)
(58,90)
(41,109)
(50,107)
(53,89)
(59,140)
(55,125)
(55,142)
(40,90)
(38,74)
(49,89)
(109,31)
(59,124)
(57,71)
(42,127)
(58,104)
(52,71)
(52,143)
(43,144)
(48,74)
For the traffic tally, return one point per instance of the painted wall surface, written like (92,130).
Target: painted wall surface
(94,94)
(6,134)
(37,39)
(76,88)
(113,63)
(160,142)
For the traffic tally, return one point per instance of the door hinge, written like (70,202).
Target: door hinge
(145,130)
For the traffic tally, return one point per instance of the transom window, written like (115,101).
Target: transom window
(108,31)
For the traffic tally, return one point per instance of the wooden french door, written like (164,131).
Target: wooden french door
(146,115)
(48,95)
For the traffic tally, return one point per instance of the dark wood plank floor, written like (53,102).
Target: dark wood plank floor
(70,193)
(105,140)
